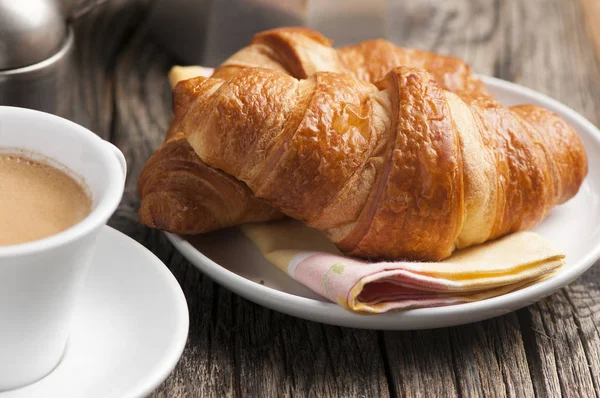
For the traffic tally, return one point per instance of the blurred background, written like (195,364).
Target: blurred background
(227,25)
(506,38)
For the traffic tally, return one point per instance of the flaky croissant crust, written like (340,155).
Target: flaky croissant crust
(180,193)
(400,169)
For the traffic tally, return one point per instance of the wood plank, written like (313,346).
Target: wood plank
(207,367)
(420,364)
(99,37)
(586,308)
(563,340)
(486,358)
(591,10)
(279,355)
(557,334)
(491,359)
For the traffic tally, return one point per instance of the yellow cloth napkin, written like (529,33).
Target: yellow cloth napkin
(178,73)
(472,274)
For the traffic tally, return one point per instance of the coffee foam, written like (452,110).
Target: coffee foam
(37,200)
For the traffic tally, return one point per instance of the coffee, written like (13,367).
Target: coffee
(37,200)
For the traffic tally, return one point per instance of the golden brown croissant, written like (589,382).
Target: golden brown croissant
(301,52)
(177,191)
(179,188)
(403,169)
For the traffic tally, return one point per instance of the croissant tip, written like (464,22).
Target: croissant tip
(145,215)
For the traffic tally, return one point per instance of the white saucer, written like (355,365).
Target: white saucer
(233,261)
(129,330)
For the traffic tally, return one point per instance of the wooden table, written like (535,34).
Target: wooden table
(237,348)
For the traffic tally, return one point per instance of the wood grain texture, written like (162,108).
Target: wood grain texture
(236,348)
(591,10)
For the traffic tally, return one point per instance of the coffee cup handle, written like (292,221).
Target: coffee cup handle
(120,157)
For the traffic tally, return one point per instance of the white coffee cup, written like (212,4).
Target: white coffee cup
(40,280)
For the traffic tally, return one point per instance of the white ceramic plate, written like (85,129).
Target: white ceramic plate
(233,261)
(129,330)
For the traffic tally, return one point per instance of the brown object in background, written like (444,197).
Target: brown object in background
(365,163)
(591,10)
(187,200)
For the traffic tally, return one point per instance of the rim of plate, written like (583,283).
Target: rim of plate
(179,338)
(276,299)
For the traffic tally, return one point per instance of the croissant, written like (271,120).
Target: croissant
(180,193)
(400,169)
